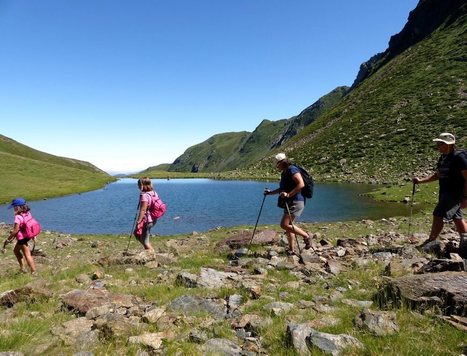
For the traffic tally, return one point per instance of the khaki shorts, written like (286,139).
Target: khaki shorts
(296,208)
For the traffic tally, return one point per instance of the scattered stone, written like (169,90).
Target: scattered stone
(119,326)
(334,267)
(457,321)
(212,279)
(221,347)
(379,323)
(383,256)
(198,337)
(358,303)
(152,340)
(83,279)
(442,265)
(78,332)
(63,241)
(30,293)
(243,238)
(434,247)
(234,301)
(81,301)
(153,315)
(302,337)
(278,308)
(191,305)
(186,279)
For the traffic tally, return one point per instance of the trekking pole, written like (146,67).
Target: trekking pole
(411,210)
(132,229)
(6,242)
(259,214)
(300,258)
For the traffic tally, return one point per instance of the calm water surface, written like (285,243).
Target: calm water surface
(197,205)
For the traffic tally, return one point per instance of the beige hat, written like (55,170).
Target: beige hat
(280,157)
(446,137)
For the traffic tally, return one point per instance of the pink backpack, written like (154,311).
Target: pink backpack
(30,227)
(156,207)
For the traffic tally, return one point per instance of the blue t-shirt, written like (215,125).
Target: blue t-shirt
(287,183)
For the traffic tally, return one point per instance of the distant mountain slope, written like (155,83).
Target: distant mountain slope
(32,174)
(229,151)
(383,129)
(7,145)
(311,113)
(214,154)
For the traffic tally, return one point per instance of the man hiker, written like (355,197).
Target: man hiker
(291,200)
(451,172)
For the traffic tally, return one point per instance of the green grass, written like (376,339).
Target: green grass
(158,286)
(34,178)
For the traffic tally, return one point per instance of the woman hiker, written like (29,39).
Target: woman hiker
(289,191)
(451,172)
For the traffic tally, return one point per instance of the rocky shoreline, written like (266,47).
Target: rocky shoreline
(208,294)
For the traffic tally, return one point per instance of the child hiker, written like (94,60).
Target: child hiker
(22,234)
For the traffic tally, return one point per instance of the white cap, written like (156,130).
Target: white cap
(280,157)
(447,138)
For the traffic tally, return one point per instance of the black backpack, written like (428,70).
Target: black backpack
(307,190)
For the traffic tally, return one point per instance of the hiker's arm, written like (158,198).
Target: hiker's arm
(271,192)
(13,232)
(432,178)
(297,177)
(143,206)
(464,199)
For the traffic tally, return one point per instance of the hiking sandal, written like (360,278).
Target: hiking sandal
(291,253)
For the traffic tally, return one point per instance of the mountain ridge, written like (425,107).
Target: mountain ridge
(380,130)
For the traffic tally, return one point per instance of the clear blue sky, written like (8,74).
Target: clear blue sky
(130,84)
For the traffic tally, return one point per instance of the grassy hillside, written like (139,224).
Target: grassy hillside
(232,151)
(214,154)
(34,175)
(383,129)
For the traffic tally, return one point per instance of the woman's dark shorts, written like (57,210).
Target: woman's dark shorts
(448,207)
(23,241)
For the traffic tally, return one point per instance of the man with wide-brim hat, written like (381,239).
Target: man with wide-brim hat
(291,201)
(451,172)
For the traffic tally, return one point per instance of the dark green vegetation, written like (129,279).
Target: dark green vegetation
(383,129)
(379,130)
(33,174)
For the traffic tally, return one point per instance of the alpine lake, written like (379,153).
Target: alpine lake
(199,205)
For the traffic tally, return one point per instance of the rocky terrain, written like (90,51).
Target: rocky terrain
(364,288)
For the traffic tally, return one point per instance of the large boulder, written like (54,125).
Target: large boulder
(81,301)
(445,291)
(303,338)
(29,293)
(243,238)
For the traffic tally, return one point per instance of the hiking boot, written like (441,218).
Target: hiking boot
(291,253)
(424,243)
(307,242)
